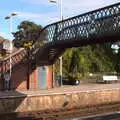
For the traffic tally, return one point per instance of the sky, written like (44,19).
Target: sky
(43,12)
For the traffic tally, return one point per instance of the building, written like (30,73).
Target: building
(4,47)
(23,76)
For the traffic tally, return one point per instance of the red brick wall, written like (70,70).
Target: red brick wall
(33,79)
(19,77)
(49,77)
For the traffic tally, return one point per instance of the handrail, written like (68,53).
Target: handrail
(13,54)
(54,29)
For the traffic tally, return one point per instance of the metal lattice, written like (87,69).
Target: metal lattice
(96,24)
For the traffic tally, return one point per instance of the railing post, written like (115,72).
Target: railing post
(2,75)
(2,71)
(55,33)
(28,68)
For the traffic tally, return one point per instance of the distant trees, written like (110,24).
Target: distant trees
(117,61)
(90,59)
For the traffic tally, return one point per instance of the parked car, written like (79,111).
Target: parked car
(68,81)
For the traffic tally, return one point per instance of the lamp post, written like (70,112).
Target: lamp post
(9,17)
(61,9)
(61,18)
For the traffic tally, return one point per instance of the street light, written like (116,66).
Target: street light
(60,3)
(11,46)
(61,18)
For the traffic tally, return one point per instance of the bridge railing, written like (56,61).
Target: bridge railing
(100,22)
(15,59)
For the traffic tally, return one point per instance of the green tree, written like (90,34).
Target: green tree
(117,65)
(27,34)
(91,58)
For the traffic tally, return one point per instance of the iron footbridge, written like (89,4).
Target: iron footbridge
(95,27)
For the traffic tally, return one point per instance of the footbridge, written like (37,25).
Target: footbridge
(95,27)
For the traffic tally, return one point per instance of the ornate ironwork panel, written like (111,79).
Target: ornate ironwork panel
(98,23)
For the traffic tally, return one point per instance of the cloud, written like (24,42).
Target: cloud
(75,4)
(70,8)
(72,2)
(38,2)
(43,19)
(76,7)
(3,35)
(6,36)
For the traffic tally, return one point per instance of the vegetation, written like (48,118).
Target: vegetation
(117,62)
(80,62)
(27,34)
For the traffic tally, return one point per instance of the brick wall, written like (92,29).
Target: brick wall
(49,77)
(57,101)
(33,79)
(19,77)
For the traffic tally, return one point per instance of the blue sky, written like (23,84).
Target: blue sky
(43,12)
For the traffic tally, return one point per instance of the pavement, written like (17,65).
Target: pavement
(61,90)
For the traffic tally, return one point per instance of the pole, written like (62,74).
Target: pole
(11,46)
(10,49)
(2,73)
(61,70)
(28,71)
(61,62)
(61,18)
(61,12)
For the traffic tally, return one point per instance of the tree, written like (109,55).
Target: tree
(117,65)
(89,59)
(27,34)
